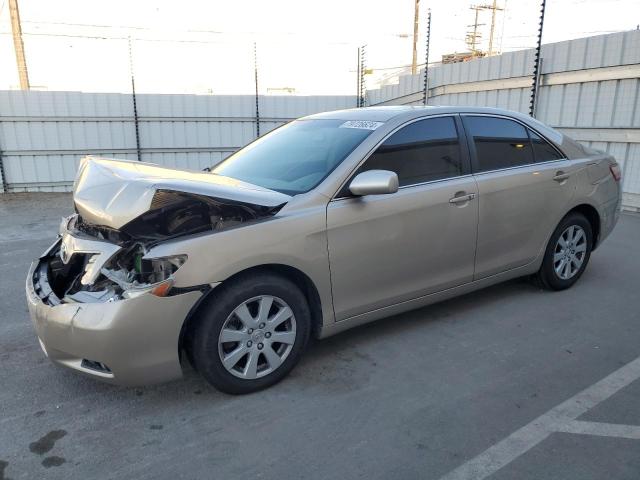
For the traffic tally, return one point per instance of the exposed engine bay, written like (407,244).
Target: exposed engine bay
(96,263)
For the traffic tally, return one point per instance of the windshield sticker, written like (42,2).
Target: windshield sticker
(364,124)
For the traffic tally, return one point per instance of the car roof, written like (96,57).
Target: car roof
(377,114)
(385,113)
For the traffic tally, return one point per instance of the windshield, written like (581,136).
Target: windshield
(296,157)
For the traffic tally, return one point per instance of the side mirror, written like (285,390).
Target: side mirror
(374,182)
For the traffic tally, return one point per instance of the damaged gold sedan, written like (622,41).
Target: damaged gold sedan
(117,305)
(328,222)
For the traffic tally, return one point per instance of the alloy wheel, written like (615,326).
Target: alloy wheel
(257,337)
(569,252)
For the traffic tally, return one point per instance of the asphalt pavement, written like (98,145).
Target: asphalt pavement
(510,382)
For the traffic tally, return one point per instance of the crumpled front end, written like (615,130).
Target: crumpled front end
(101,306)
(128,342)
(100,301)
(94,316)
(81,268)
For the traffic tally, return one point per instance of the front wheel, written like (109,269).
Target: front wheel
(567,253)
(251,334)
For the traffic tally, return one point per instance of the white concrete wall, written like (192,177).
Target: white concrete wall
(590,89)
(43,135)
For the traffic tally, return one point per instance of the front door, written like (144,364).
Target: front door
(386,249)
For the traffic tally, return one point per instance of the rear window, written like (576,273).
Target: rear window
(542,150)
(499,142)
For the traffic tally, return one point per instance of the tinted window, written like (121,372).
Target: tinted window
(296,157)
(500,143)
(422,151)
(542,151)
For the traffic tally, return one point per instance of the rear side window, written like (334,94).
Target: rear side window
(499,142)
(542,150)
(422,151)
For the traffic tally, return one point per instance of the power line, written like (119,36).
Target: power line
(93,25)
(150,39)
(395,68)
(214,32)
(399,67)
(111,37)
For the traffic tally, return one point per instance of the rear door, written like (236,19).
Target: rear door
(386,249)
(524,185)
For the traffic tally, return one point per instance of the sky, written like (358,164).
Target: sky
(207,46)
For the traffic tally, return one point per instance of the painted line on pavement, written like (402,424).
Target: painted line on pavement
(601,429)
(558,419)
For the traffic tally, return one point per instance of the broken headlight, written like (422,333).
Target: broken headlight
(137,275)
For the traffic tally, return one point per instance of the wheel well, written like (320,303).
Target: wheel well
(306,285)
(296,276)
(593,217)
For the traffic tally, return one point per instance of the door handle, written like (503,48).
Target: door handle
(561,176)
(462,198)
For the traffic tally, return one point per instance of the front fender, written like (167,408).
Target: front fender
(297,240)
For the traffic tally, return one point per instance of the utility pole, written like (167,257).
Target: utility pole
(494,7)
(473,37)
(493,26)
(18,45)
(416,20)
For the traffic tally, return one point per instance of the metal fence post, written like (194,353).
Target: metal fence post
(255,71)
(537,80)
(135,106)
(363,61)
(536,64)
(425,93)
(358,81)
(5,185)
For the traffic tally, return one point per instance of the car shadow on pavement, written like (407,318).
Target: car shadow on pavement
(330,362)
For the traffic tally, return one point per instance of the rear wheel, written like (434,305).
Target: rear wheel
(567,253)
(251,333)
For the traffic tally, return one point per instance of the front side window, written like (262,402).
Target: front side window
(422,151)
(296,157)
(499,142)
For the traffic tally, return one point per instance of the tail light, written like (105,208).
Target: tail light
(615,171)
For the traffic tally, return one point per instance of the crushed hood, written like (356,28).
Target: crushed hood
(113,192)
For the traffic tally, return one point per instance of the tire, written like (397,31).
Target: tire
(552,275)
(249,344)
